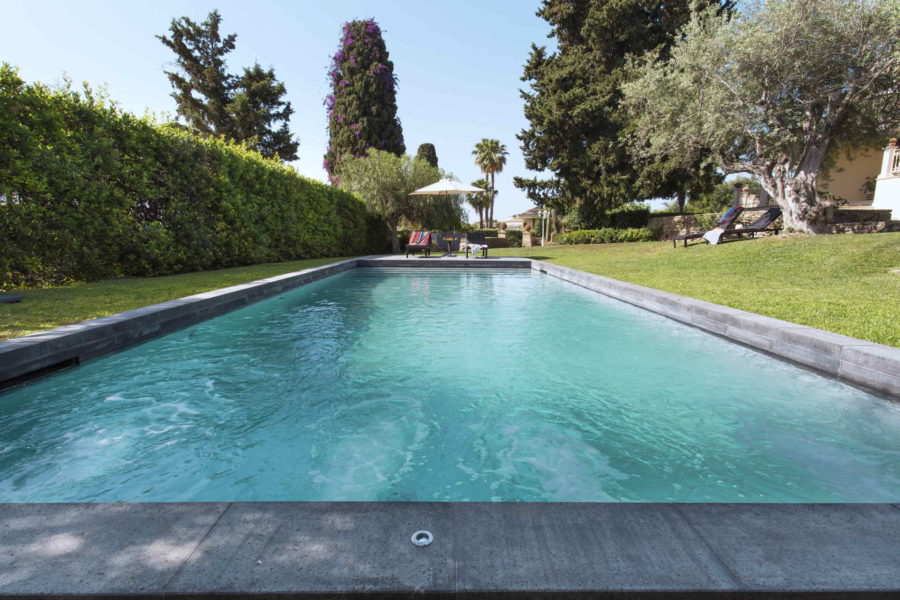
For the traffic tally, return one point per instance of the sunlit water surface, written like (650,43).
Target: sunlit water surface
(384,384)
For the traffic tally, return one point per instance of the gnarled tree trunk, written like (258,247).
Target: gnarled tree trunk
(794,190)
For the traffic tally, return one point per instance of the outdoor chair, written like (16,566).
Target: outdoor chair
(419,240)
(474,243)
(725,223)
(760,225)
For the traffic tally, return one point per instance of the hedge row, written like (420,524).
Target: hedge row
(607,235)
(88,191)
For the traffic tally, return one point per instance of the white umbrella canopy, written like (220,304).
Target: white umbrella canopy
(446,187)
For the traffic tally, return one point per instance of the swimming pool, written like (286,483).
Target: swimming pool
(437,385)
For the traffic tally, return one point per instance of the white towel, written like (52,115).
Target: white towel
(712,236)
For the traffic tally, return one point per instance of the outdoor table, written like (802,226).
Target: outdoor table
(450,239)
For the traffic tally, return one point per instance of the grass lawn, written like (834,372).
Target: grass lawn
(840,283)
(46,308)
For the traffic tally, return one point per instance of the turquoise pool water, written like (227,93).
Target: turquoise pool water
(427,385)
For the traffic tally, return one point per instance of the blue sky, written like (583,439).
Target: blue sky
(458,63)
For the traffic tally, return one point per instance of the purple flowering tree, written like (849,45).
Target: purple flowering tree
(362,105)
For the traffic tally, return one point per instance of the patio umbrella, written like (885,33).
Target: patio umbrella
(446,187)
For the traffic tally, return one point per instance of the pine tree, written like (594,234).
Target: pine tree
(362,106)
(202,85)
(578,129)
(256,107)
(427,153)
(249,108)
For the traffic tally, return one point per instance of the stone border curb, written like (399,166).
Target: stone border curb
(865,364)
(481,550)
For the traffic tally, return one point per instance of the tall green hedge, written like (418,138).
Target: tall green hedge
(88,191)
(607,235)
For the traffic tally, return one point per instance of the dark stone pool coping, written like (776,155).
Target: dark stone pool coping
(512,550)
(509,550)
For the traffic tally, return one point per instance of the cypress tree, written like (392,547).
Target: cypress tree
(211,101)
(362,105)
(427,153)
(256,107)
(202,86)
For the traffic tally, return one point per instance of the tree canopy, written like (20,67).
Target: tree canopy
(427,153)
(248,108)
(362,105)
(490,156)
(770,91)
(577,126)
(384,181)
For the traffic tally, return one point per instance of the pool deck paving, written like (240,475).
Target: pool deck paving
(509,550)
(533,550)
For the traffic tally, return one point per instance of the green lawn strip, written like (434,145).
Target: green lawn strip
(840,283)
(46,308)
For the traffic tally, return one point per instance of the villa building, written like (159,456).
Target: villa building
(529,217)
(866,177)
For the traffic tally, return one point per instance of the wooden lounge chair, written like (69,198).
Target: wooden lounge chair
(760,225)
(473,240)
(725,222)
(419,240)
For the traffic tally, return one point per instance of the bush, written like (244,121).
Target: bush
(496,242)
(515,238)
(607,235)
(90,192)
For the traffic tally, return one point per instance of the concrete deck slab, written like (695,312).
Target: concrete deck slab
(53,549)
(323,547)
(541,547)
(510,550)
(803,546)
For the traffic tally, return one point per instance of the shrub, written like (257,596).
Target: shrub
(607,235)
(90,192)
(496,242)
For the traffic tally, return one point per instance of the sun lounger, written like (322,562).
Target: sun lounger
(475,242)
(419,240)
(760,225)
(724,223)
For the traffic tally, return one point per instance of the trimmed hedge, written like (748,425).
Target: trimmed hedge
(88,192)
(628,216)
(607,235)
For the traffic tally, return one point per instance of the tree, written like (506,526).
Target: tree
(480,201)
(385,181)
(248,109)
(257,106)
(490,157)
(362,105)
(578,130)
(201,83)
(427,153)
(771,91)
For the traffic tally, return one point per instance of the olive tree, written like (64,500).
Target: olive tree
(385,180)
(769,92)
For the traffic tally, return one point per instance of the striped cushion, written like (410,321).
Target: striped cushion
(420,238)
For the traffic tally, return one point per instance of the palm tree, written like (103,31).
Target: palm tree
(480,201)
(490,157)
